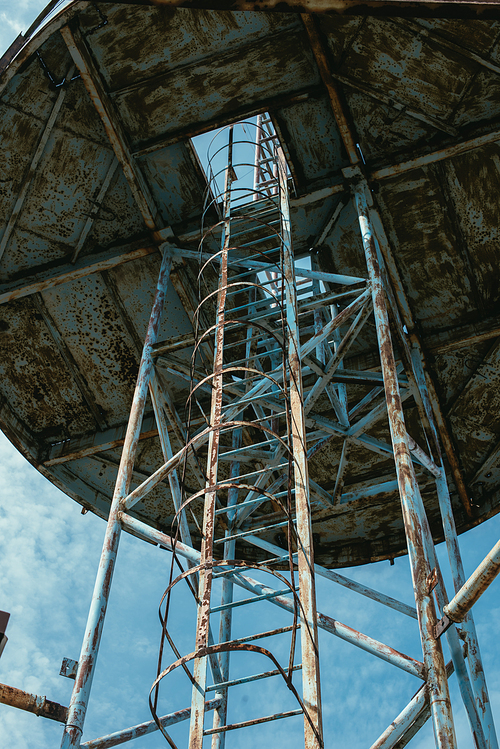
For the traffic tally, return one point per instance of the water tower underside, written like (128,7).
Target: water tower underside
(99,172)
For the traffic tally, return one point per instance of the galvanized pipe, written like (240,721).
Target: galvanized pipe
(437,584)
(343,631)
(148,533)
(157,400)
(417,354)
(465,685)
(90,647)
(409,721)
(414,522)
(417,710)
(423,458)
(478,679)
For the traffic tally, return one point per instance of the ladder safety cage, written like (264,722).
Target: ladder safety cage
(255,358)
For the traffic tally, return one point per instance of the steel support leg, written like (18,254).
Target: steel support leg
(305,559)
(450,532)
(90,647)
(412,508)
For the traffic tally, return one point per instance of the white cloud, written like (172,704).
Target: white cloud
(49,556)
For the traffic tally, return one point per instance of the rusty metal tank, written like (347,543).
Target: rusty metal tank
(95,178)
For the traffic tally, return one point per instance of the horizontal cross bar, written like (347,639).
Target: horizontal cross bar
(247,533)
(244,724)
(245,601)
(247,679)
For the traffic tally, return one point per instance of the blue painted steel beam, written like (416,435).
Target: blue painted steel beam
(344,632)
(413,511)
(90,647)
(143,729)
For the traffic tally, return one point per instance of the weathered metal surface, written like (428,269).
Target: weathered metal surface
(422,98)
(143,729)
(33,703)
(90,646)
(394,7)
(475,586)
(305,559)
(416,528)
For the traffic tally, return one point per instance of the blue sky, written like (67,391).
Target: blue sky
(49,554)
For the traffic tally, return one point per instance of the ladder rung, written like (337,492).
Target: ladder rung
(232,726)
(253,318)
(261,635)
(258,255)
(256,473)
(265,443)
(254,599)
(253,226)
(246,679)
(260,303)
(272,181)
(232,570)
(242,289)
(256,356)
(267,396)
(250,271)
(252,532)
(260,498)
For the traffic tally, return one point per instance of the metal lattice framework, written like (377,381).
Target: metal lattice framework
(258,398)
(270,349)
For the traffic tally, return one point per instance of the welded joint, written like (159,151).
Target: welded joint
(447,620)
(356,178)
(423,458)
(170,250)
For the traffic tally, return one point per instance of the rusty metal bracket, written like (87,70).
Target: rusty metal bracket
(4,620)
(68,668)
(441,627)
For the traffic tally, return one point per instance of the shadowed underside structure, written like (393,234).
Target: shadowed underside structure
(81,228)
(312,373)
